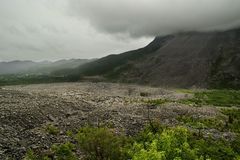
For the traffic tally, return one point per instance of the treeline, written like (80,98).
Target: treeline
(36,79)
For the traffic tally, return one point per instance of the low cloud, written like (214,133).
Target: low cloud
(157,17)
(56,29)
(44,30)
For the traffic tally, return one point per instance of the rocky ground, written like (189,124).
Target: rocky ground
(25,111)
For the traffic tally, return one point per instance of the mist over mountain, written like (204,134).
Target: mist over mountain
(87,29)
(44,67)
(157,17)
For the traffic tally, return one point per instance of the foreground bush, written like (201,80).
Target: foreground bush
(58,152)
(181,144)
(101,144)
(161,143)
(170,144)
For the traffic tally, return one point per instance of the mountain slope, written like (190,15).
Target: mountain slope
(111,63)
(15,66)
(193,60)
(183,62)
(180,60)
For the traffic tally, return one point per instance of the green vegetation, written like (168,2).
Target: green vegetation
(233,122)
(201,123)
(57,152)
(51,129)
(230,121)
(224,98)
(112,66)
(101,143)
(165,143)
(168,144)
(30,155)
(35,79)
(220,98)
(64,151)
(180,143)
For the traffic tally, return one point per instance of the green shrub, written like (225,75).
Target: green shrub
(166,145)
(64,152)
(221,123)
(214,149)
(162,143)
(30,155)
(202,123)
(180,143)
(58,152)
(236,144)
(101,144)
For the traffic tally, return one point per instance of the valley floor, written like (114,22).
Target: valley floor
(27,112)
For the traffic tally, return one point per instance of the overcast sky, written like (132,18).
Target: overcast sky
(56,29)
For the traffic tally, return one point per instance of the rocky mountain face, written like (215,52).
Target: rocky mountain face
(182,60)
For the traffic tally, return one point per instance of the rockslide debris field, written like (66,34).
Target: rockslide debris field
(27,109)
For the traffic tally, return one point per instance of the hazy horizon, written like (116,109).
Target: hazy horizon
(39,61)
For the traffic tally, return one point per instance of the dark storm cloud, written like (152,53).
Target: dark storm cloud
(44,30)
(156,17)
(56,29)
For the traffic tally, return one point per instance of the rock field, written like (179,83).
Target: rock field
(27,109)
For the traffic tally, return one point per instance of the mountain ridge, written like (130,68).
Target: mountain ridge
(42,67)
(193,59)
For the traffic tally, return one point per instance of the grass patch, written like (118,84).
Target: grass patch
(35,79)
(229,123)
(157,101)
(223,98)
(51,129)
(101,143)
(202,123)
